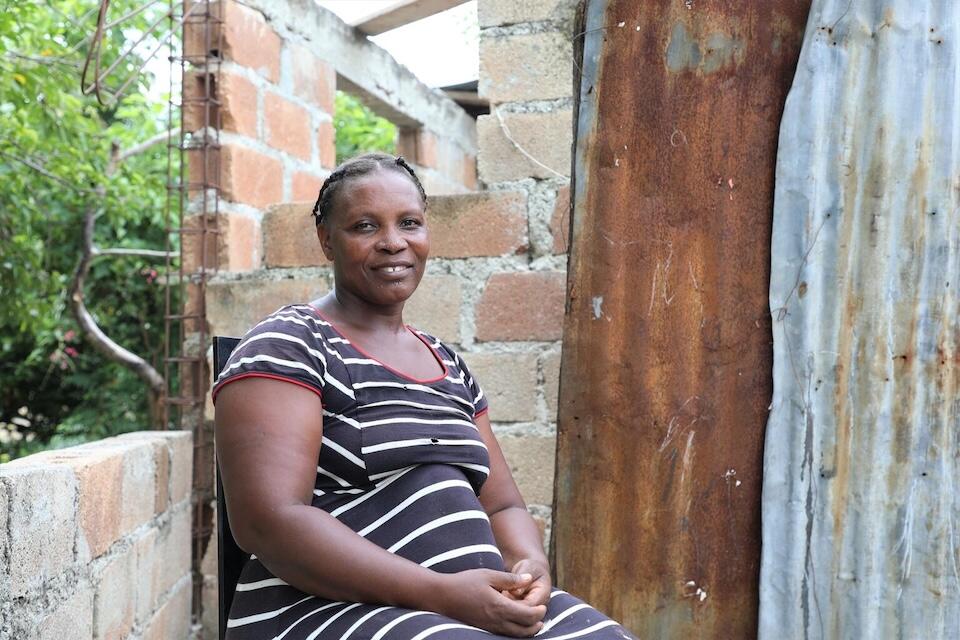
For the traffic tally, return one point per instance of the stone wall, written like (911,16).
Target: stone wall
(95,540)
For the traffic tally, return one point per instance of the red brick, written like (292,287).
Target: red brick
(237,244)
(249,41)
(418,146)
(196,42)
(490,223)
(469,171)
(237,111)
(305,186)
(250,177)
(288,126)
(194,96)
(290,237)
(560,220)
(427,149)
(313,79)
(407,143)
(326,143)
(203,169)
(522,306)
(240,245)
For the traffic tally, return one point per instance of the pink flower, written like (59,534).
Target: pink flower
(69,335)
(70,351)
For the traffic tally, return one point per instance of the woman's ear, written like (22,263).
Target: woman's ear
(323,235)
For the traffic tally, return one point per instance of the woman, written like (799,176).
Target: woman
(358,463)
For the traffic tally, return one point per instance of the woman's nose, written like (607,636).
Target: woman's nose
(391,240)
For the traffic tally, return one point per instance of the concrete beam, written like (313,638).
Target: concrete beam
(368,71)
(400,13)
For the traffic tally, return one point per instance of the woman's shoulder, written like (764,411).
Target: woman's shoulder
(293,319)
(291,343)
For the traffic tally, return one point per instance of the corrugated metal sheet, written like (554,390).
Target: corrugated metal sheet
(860,502)
(666,373)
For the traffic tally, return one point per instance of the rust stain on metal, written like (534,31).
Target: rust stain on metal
(665,386)
(862,457)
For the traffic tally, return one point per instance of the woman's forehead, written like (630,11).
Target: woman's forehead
(380,185)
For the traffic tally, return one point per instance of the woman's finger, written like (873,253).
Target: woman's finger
(521,631)
(538,593)
(503,581)
(523,614)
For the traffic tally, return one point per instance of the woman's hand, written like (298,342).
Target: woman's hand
(476,597)
(538,591)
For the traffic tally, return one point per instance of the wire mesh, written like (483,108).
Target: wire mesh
(193,202)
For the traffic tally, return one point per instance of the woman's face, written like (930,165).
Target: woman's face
(377,238)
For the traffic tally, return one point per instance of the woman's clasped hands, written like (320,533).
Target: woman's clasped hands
(512,604)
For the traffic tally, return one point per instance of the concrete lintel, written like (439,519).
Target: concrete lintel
(402,12)
(368,71)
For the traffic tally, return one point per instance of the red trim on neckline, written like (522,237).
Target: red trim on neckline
(257,374)
(433,352)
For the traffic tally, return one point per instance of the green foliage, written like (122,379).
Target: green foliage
(360,130)
(54,388)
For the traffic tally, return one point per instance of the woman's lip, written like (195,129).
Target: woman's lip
(393,268)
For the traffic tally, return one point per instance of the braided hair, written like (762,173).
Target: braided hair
(354,168)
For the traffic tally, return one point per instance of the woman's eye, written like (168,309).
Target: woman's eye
(363,226)
(410,222)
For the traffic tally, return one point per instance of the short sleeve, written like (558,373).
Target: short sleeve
(478,398)
(287,345)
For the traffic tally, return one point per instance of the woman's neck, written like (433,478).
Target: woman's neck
(346,309)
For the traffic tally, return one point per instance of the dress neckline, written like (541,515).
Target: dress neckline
(397,372)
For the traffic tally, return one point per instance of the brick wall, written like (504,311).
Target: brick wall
(274,106)
(95,540)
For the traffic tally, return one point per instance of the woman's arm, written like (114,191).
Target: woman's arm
(517,536)
(268,436)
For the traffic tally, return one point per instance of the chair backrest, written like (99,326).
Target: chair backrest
(230,557)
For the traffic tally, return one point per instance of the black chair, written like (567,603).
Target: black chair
(230,557)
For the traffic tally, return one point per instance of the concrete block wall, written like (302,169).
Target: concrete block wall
(95,540)
(526,73)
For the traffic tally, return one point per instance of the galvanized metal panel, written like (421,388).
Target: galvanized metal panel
(860,501)
(666,372)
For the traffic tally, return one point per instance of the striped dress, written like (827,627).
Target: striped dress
(401,463)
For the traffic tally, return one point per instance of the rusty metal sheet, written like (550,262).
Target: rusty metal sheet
(666,366)
(860,494)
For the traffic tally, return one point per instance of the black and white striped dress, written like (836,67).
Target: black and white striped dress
(401,463)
